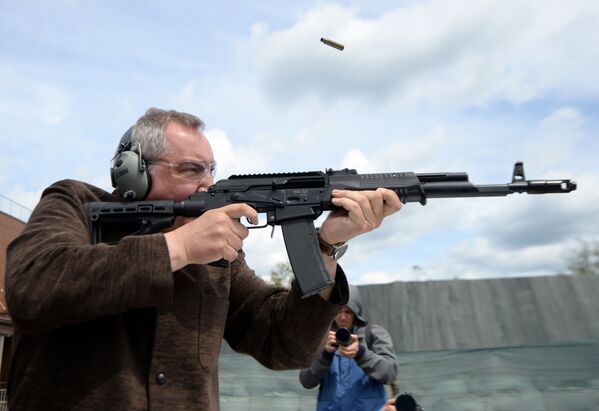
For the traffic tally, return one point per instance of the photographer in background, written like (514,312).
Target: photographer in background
(352,376)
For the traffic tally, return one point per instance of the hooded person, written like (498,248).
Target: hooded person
(352,377)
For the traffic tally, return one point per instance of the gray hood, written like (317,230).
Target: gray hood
(355,304)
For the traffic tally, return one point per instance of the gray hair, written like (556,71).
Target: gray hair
(149,130)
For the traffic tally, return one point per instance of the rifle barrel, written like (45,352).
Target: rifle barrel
(465,189)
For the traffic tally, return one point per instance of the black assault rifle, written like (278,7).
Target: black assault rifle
(294,201)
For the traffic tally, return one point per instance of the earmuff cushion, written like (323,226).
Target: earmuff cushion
(132,181)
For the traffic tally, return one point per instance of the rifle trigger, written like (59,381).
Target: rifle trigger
(252,227)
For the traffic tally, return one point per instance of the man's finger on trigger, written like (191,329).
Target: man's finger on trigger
(236,211)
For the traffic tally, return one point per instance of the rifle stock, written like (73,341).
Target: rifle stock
(294,201)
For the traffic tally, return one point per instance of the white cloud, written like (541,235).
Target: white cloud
(375,277)
(435,52)
(239,159)
(393,100)
(557,138)
(355,158)
(186,99)
(90,176)
(407,153)
(477,258)
(565,117)
(517,235)
(264,252)
(480,258)
(30,98)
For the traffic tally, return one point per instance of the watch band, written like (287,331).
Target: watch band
(333,250)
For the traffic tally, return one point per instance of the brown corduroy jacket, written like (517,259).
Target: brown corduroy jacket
(110,327)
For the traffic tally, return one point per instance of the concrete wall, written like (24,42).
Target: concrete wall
(456,314)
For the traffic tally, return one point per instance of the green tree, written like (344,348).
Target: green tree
(281,275)
(585,260)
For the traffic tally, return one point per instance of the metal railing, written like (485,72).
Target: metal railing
(15,210)
(3,403)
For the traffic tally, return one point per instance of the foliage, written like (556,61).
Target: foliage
(281,275)
(585,260)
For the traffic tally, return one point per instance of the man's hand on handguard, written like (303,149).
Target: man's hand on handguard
(363,211)
(214,235)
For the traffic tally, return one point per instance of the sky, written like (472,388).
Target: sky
(422,86)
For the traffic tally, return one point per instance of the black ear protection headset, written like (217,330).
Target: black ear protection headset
(129,172)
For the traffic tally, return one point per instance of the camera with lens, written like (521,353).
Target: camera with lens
(343,336)
(405,402)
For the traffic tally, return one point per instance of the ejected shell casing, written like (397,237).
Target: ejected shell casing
(332,43)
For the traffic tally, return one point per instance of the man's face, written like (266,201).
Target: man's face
(345,318)
(185,144)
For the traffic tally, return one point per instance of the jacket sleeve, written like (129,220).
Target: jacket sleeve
(311,377)
(55,277)
(276,326)
(379,362)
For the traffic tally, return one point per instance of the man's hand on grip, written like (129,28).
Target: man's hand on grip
(216,234)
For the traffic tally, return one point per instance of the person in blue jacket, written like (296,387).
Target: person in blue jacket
(352,377)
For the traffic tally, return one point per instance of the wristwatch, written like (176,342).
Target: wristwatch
(334,250)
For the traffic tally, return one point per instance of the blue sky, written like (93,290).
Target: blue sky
(421,86)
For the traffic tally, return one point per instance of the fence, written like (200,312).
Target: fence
(14,209)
